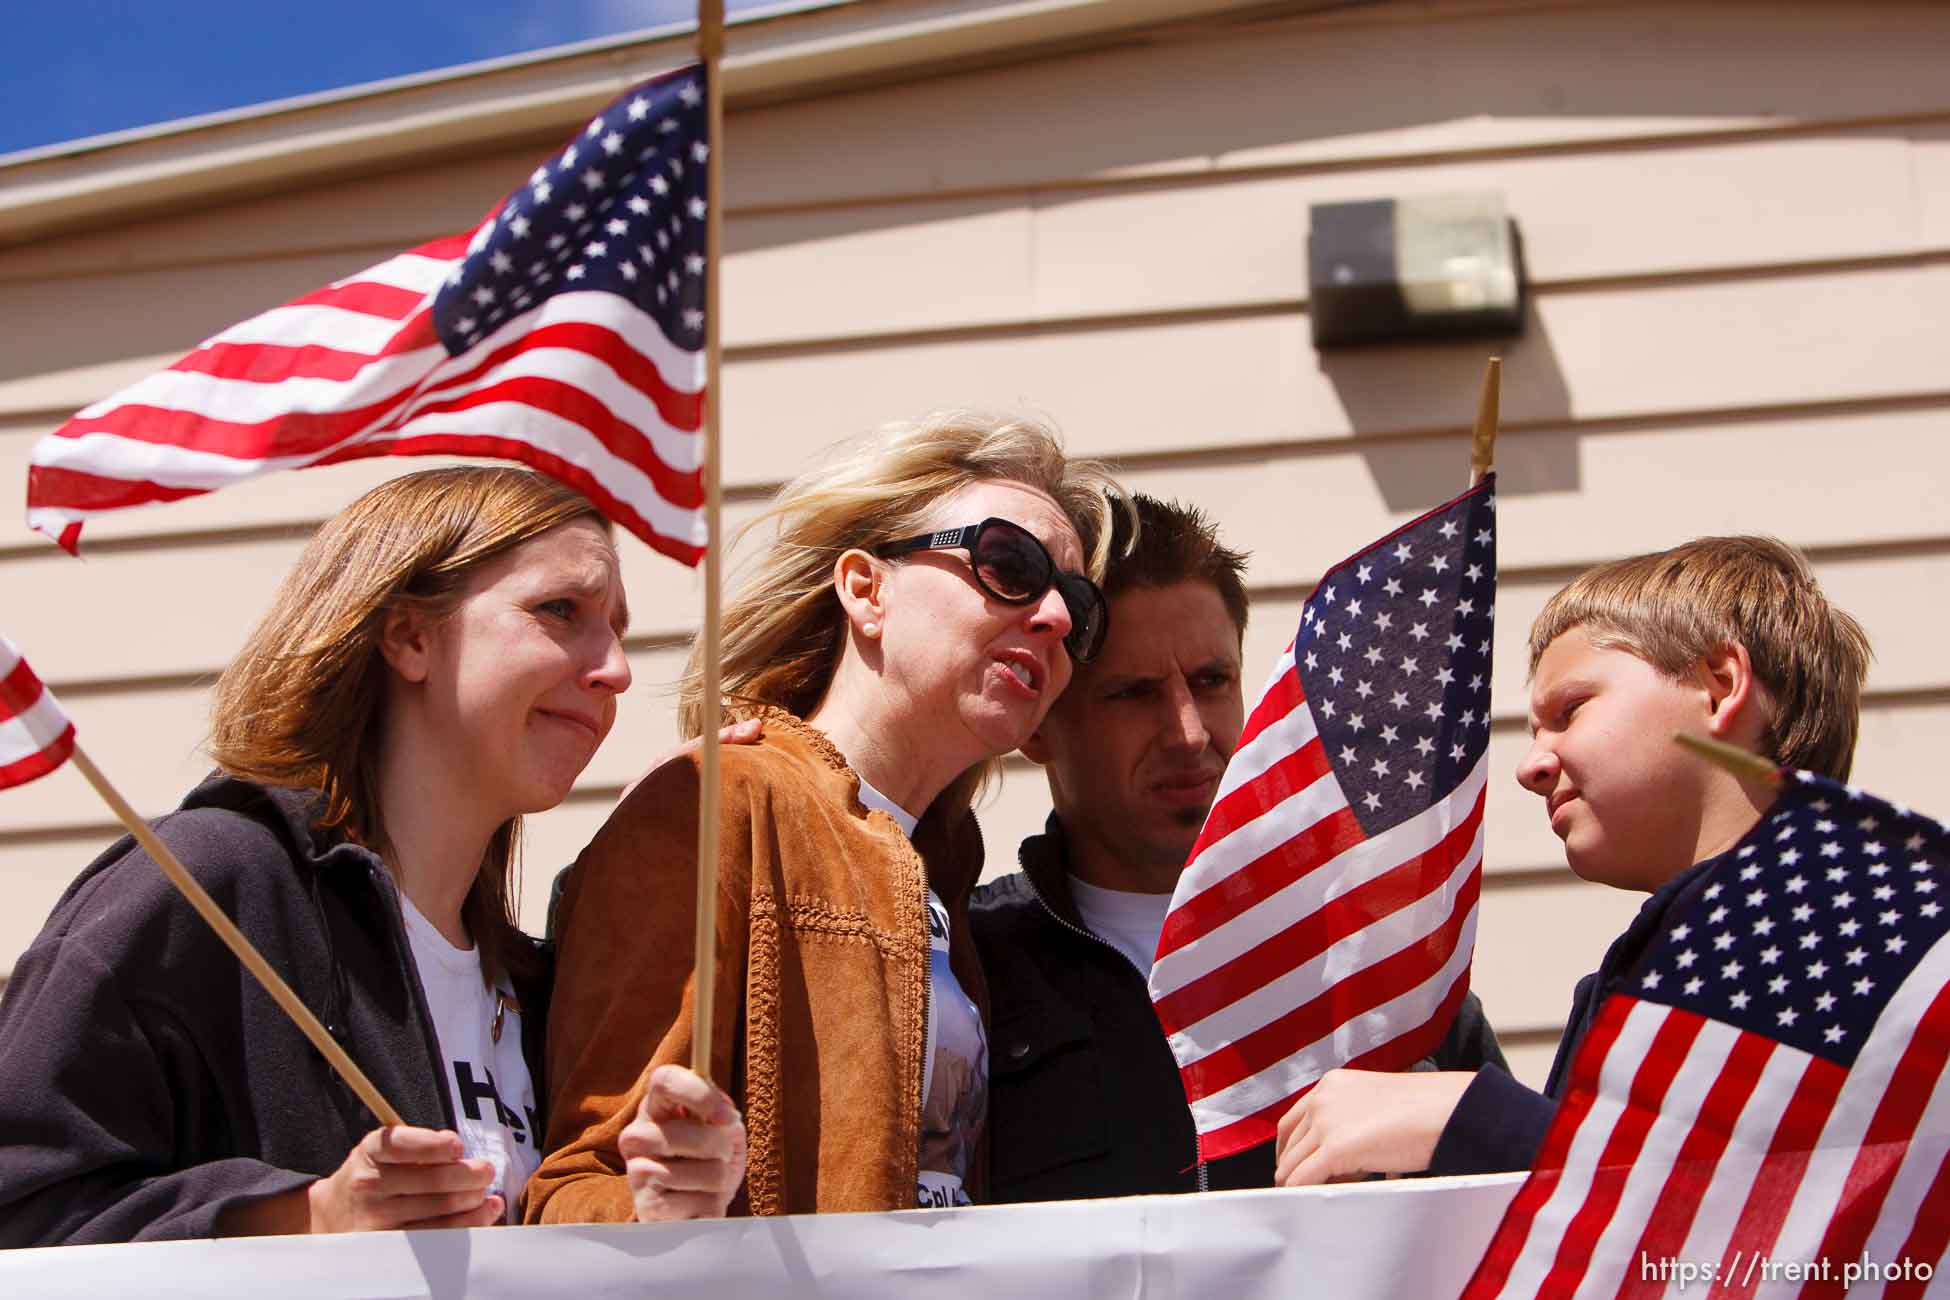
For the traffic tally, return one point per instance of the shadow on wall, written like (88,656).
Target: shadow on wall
(87,320)
(1296,88)
(1428,390)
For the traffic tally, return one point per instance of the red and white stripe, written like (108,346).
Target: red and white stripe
(1294,944)
(35,735)
(1681,1138)
(584,386)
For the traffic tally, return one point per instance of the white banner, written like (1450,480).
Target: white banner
(1417,1237)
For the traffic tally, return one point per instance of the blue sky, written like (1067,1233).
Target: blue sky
(84,67)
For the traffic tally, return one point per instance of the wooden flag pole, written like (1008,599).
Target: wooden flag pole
(234,939)
(1482,445)
(710,41)
(1745,765)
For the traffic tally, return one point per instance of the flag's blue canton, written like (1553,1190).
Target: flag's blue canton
(1394,657)
(620,210)
(1804,931)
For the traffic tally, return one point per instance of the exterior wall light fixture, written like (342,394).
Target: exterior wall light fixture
(1387,270)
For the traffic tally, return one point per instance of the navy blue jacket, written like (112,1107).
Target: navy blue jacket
(1499,1124)
(1084,1095)
(147,1082)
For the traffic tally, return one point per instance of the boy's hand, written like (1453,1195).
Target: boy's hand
(1366,1122)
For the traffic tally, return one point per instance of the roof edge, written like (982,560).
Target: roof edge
(787,51)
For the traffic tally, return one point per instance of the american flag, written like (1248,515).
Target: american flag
(1328,914)
(565,332)
(1765,1098)
(35,735)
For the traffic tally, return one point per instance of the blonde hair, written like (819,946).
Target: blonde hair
(300,704)
(783,628)
(1673,608)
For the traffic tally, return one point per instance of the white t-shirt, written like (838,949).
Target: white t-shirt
(955,1073)
(486,1075)
(1130,922)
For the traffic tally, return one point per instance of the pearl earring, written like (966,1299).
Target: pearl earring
(869,629)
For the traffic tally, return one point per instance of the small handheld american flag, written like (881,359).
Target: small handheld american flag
(1328,914)
(1762,1106)
(35,735)
(565,332)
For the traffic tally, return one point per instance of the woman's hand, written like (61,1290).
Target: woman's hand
(405,1178)
(395,1178)
(685,1150)
(1365,1122)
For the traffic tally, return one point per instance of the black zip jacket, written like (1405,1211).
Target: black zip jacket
(1499,1124)
(1084,1095)
(147,1082)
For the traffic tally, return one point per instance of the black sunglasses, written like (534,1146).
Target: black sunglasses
(1012,565)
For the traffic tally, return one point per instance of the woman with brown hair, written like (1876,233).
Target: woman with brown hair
(920,608)
(445,656)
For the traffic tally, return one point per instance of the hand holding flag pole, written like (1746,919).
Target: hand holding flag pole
(1482,444)
(36,737)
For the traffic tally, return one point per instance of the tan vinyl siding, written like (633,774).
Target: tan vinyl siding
(1736,220)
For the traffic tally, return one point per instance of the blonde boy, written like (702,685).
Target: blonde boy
(1727,637)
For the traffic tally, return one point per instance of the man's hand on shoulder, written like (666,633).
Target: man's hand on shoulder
(746,731)
(1365,1122)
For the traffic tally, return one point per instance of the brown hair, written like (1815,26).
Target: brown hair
(783,628)
(1174,543)
(300,704)
(1674,608)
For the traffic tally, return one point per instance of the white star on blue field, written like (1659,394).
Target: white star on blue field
(91,67)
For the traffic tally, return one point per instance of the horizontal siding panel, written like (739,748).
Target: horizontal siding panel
(1893,759)
(32,878)
(77,617)
(361,218)
(1213,243)
(150,742)
(1193,384)
(1896,757)
(1570,496)
(84,325)
(806,276)
(1175,385)
(1537,934)
(1529,1056)
(1098,120)
(1534,942)
(1931,159)
(33,873)
(274,501)
(1307,93)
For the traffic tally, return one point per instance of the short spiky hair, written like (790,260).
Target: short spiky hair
(1175,543)
(1673,608)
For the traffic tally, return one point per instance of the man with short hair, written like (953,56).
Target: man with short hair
(1085,1098)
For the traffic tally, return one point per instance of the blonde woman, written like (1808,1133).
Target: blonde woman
(921,607)
(444,658)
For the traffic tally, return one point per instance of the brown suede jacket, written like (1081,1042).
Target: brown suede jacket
(822,979)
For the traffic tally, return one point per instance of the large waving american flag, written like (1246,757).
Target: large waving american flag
(565,332)
(35,735)
(1763,1108)
(1328,914)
